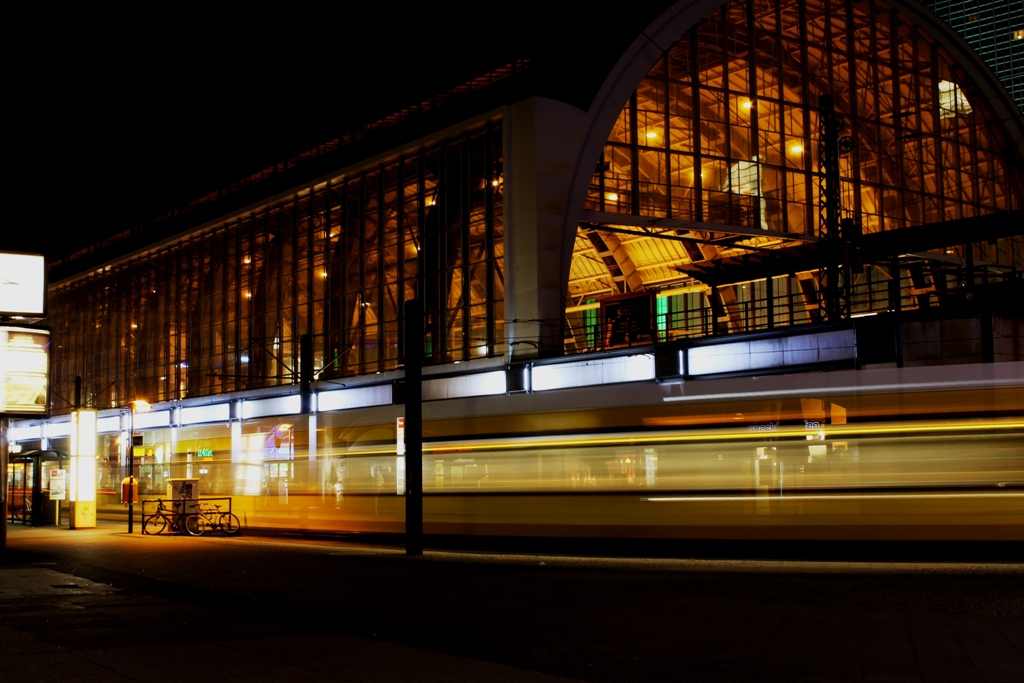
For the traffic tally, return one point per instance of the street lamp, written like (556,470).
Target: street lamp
(142,407)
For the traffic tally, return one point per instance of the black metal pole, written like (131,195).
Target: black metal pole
(131,470)
(413,427)
(4,427)
(305,372)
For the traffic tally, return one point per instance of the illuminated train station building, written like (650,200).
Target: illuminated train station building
(638,263)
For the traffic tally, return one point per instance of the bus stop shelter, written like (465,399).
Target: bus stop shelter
(29,486)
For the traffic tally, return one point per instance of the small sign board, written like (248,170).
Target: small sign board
(400,439)
(58,484)
(22,284)
(24,370)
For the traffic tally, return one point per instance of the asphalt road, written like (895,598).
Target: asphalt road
(100,605)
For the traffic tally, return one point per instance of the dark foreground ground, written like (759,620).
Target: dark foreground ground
(99,605)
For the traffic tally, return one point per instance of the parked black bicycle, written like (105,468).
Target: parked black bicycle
(191,517)
(213,519)
(173,520)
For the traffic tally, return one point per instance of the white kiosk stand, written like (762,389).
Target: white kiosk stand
(187,489)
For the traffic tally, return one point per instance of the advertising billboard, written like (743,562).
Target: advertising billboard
(24,370)
(22,284)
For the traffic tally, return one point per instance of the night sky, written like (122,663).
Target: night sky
(121,118)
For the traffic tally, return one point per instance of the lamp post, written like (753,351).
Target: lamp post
(141,406)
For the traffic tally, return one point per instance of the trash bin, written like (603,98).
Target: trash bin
(135,490)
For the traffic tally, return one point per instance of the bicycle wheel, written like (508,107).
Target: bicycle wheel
(154,524)
(229,523)
(194,525)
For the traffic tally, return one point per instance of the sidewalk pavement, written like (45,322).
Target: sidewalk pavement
(99,605)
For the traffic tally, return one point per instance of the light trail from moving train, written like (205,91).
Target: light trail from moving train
(844,455)
(956,480)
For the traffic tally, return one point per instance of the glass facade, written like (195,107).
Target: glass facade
(995,28)
(697,222)
(223,309)
(724,131)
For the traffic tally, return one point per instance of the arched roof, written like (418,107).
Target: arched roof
(647,48)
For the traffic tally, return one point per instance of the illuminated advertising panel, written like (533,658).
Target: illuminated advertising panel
(22,284)
(24,370)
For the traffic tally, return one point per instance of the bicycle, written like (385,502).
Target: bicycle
(227,522)
(178,522)
(21,512)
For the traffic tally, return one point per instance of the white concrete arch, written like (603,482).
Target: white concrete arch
(623,79)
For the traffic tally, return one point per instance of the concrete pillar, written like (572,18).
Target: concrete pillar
(541,146)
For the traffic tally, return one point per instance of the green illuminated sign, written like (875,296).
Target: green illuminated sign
(205,453)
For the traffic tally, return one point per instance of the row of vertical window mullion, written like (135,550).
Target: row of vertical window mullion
(217,324)
(310,271)
(232,313)
(128,313)
(89,338)
(897,111)
(489,188)
(328,309)
(89,367)
(110,344)
(321,276)
(104,355)
(240,313)
(466,295)
(261,296)
(351,231)
(634,156)
(169,289)
(755,137)
(341,257)
(666,146)
(698,152)
(360,248)
(400,238)
(294,329)
(732,197)
(755,129)
(208,327)
(381,238)
(278,269)
(439,326)
(194,335)
(872,85)
(421,224)
(250,289)
(277,331)
(808,175)
(851,73)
